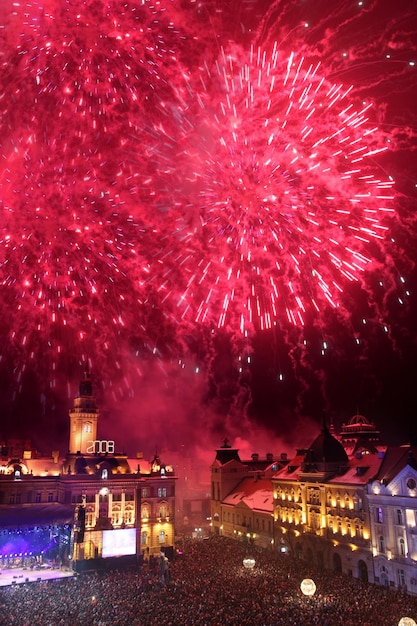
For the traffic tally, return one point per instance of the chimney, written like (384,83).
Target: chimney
(255,456)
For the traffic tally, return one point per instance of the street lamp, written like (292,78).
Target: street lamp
(249,563)
(407,621)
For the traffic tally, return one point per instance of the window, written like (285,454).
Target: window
(115,516)
(410,517)
(401,578)
(379,517)
(38,498)
(50,497)
(399,517)
(89,518)
(128,516)
(105,474)
(161,536)
(143,538)
(162,492)
(145,492)
(87,427)
(381,544)
(402,547)
(145,512)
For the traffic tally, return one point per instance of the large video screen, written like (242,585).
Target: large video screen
(120,542)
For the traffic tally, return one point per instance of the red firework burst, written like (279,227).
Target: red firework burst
(285,203)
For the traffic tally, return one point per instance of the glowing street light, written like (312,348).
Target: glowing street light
(407,621)
(249,563)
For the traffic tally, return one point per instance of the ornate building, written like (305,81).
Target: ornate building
(320,508)
(241,504)
(392,498)
(95,502)
(345,503)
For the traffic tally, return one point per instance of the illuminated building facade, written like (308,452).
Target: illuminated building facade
(346,503)
(392,498)
(320,507)
(241,503)
(95,502)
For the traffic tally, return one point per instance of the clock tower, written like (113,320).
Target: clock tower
(83,417)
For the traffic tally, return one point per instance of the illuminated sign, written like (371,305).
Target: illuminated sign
(100,446)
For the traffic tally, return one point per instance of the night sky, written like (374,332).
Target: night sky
(213,205)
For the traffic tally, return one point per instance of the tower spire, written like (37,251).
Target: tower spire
(86,385)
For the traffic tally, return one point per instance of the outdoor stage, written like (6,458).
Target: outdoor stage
(19,576)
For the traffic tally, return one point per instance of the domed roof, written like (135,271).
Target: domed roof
(326,449)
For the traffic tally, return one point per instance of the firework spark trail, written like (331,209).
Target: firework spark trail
(85,85)
(289,204)
(150,182)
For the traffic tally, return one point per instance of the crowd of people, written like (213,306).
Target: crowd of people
(206,584)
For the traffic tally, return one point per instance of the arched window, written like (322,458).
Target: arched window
(104,474)
(402,547)
(161,536)
(87,427)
